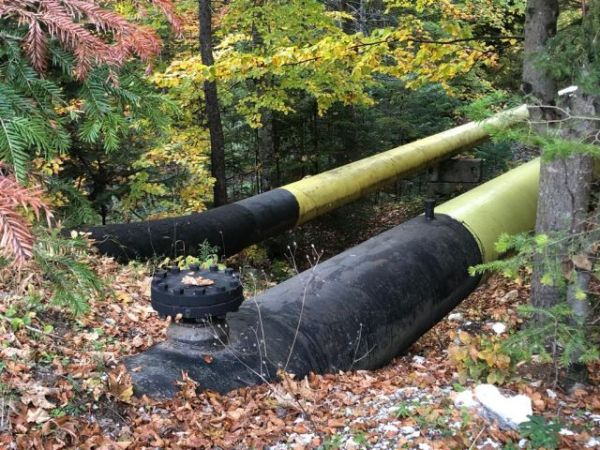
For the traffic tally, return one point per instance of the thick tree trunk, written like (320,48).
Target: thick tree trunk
(211,98)
(586,106)
(563,204)
(540,25)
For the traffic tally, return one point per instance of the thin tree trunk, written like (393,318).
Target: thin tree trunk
(349,148)
(315,135)
(211,98)
(265,135)
(266,151)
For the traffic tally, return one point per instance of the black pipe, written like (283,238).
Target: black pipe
(357,310)
(231,228)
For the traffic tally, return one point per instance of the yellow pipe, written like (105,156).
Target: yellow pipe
(506,204)
(329,190)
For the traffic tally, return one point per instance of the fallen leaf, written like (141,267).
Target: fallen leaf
(36,395)
(38,416)
(197,281)
(582,262)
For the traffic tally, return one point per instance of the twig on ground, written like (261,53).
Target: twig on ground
(477,438)
(33,329)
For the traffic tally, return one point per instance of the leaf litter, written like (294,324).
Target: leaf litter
(67,389)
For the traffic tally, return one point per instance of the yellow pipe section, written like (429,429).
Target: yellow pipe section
(506,204)
(329,190)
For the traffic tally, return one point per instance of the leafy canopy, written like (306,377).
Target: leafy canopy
(279,48)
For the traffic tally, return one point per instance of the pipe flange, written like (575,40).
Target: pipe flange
(196,293)
(198,333)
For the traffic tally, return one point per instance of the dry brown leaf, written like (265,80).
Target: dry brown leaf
(582,262)
(119,385)
(38,415)
(137,341)
(197,281)
(36,395)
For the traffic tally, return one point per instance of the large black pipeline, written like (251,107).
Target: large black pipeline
(357,310)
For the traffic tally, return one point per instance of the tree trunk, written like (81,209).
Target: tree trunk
(586,106)
(211,98)
(540,25)
(265,134)
(563,204)
(349,149)
(266,152)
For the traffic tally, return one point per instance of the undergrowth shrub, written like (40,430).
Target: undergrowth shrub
(206,256)
(557,335)
(65,264)
(482,358)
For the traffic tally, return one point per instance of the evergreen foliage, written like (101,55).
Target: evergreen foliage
(65,264)
(572,56)
(559,337)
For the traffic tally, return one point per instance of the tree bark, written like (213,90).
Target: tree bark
(540,25)
(265,135)
(213,114)
(267,152)
(586,130)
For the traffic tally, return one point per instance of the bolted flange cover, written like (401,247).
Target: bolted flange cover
(195,293)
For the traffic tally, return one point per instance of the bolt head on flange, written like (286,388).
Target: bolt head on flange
(196,294)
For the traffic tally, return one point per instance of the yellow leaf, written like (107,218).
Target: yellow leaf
(126,394)
(464,337)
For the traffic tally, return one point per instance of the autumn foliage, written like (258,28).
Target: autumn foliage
(94,35)
(16,238)
(32,102)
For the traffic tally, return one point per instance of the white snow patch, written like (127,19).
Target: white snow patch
(511,411)
(455,317)
(303,439)
(522,443)
(456,425)
(551,393)
(593,442)
(414,435)
(465,398)
(566,432)
(489,442)
(389,428)
(499,328)
(407,430)
(424,447)
(279,447)
(418,359)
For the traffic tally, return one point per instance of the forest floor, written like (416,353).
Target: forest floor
(62,386)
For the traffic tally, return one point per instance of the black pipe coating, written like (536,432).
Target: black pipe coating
(358,310)
(231,228)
